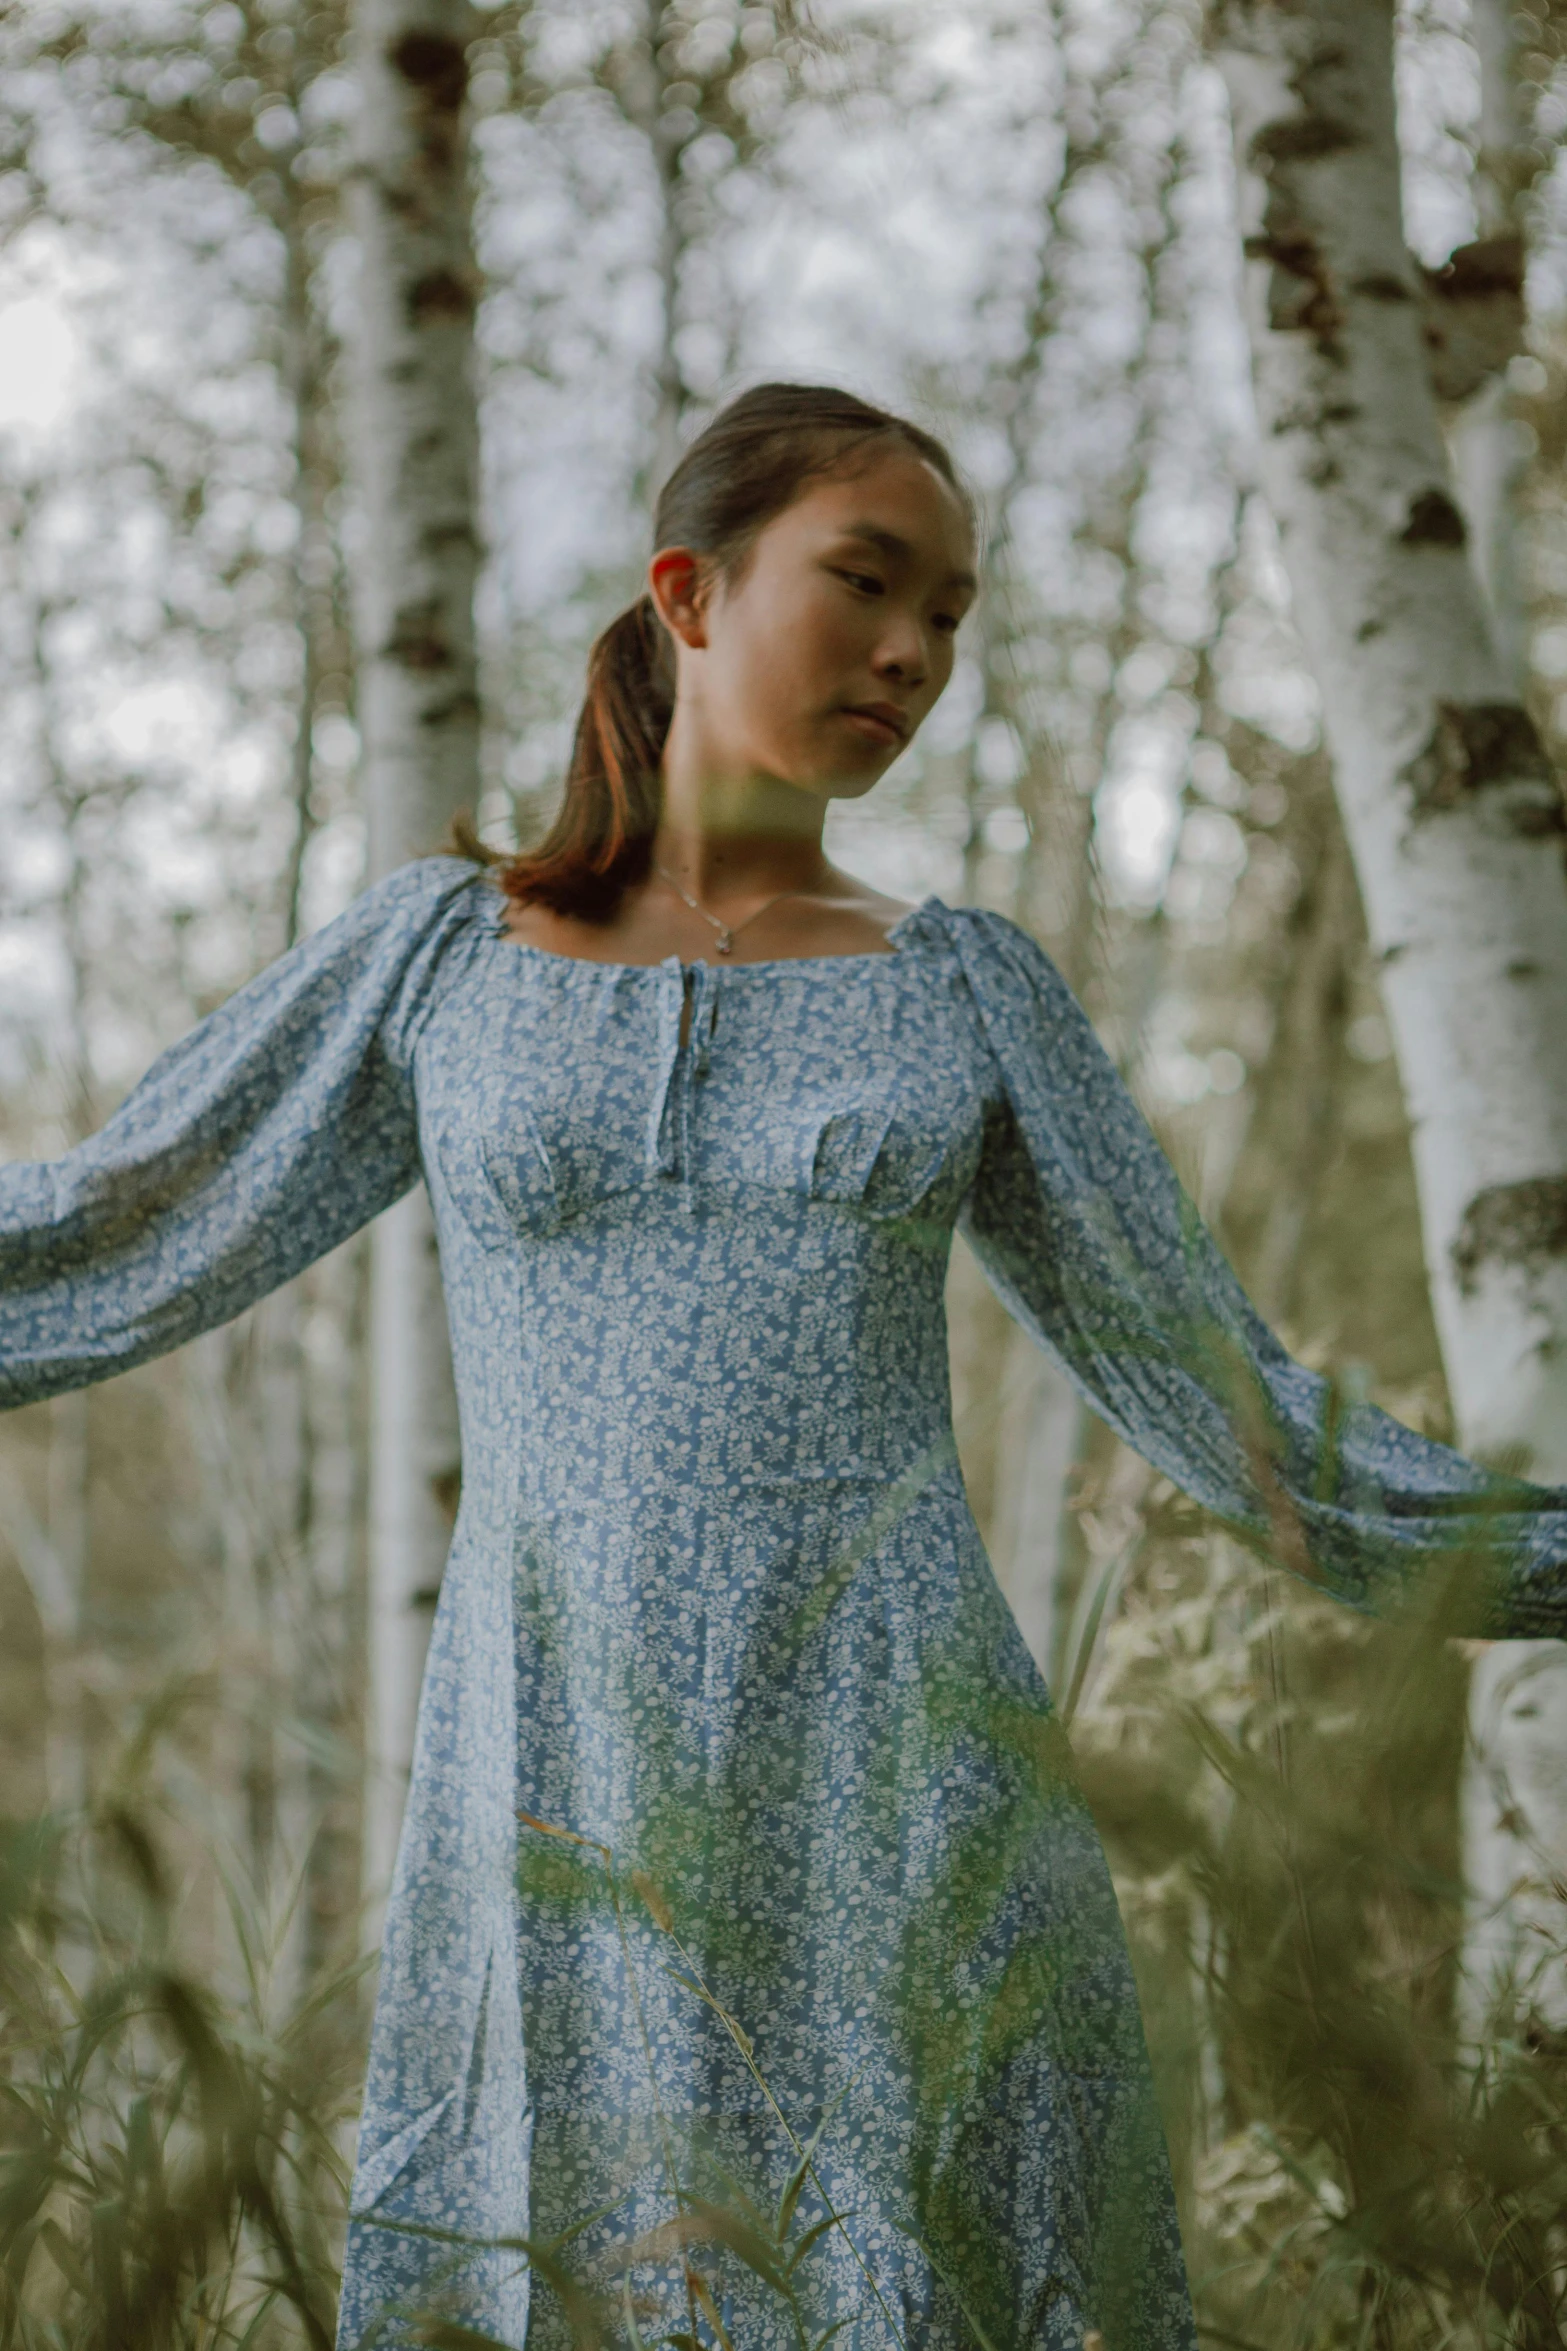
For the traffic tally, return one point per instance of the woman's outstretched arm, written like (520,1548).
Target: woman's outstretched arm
(1084,1230)
(283,1122)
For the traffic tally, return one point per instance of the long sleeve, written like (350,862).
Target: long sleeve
(283,1122)
(1082,1227)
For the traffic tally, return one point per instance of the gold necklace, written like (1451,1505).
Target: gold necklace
(727,932)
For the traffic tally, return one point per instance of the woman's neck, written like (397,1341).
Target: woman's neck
(715,864)
(722,832)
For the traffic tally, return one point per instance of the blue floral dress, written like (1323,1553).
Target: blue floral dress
(746,1912)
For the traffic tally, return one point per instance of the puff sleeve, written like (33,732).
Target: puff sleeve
(1085,1232)
(283,1122)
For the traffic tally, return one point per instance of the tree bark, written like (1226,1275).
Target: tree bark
(1488,461)
(416,438)
(673,396)
(416,446)
(1454,820)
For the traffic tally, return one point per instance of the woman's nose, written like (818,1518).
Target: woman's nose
(902,652)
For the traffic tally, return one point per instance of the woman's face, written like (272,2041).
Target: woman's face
(817,662)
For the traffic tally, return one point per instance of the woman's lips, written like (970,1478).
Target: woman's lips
(874,729)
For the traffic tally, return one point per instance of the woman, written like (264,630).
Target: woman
(738,1819)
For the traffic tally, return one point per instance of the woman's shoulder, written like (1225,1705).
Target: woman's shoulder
(995,941)
(415,893)
(391,951)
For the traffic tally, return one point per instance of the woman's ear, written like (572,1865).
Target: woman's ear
(676,585)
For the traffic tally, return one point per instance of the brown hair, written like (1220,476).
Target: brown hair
(746,467)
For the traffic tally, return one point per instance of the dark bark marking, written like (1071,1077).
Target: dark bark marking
(1305,139)
(434,66)
(463,706)
(1540,820)
(1512,1224)
(1433,521)
(418,641)
(1381,286)
(1301,299)
(1491,265)
(1475,746)
(440,293)
(1474,314)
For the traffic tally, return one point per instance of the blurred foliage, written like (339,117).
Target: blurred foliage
(172,2170)
(1275,1784)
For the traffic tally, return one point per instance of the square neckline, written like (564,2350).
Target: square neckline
(891,954)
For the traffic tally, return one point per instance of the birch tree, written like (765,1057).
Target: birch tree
(684,95)
(256,91)
(1487,459)
(415,439)
(1453,817)
(134,563)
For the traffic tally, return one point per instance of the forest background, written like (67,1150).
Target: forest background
(341,352)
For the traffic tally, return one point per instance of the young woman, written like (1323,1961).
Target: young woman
(725,1718)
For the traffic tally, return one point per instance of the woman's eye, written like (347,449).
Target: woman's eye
(864,580)
(949,622)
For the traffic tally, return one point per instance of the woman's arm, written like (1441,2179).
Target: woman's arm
(1084,1230)
(282,1123)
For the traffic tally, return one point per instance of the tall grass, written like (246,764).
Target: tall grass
(1276,1784)
(171,2166)
(1274,1779)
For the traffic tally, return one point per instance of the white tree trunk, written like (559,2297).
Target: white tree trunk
(1489,468)
(1488,460)
(1515,1786)
(673,395)
(415,425)
(1453,818)
(415,449)
(1506,163)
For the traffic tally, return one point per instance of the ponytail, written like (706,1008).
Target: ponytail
(602,838)
(748,465)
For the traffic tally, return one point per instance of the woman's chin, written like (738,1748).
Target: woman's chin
(852,777)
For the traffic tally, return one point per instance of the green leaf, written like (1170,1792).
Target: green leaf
(812,2236)
(801,2171)
(442,2334)
(837,2327)
(708,2224)
(63,2254)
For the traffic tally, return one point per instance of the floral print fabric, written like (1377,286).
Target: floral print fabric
(738,1812)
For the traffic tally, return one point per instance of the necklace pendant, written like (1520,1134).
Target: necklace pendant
(724,941)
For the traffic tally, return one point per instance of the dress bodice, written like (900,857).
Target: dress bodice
(848,1077)
(723,1198)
